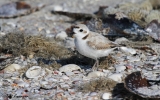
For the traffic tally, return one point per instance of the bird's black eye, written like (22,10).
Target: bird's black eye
(81,30)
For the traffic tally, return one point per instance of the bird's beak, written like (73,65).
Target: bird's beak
(73,33)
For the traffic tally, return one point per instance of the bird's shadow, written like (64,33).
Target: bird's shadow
(82,61)
(86,63)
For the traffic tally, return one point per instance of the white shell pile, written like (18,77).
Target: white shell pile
(56,84)
(39,82)
(11,68)
(26,79)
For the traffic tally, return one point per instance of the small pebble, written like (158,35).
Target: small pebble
(106,96)
(116,77)
(62,35)
(95,74)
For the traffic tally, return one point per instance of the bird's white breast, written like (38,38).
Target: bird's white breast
(84,49)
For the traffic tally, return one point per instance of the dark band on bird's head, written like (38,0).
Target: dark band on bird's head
(85,37)
(75,26)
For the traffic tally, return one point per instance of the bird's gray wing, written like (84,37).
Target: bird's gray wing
(99,42)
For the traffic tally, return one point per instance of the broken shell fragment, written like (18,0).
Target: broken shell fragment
(34,72)
(135,80)
(139,85)
(128,50)
(153,29)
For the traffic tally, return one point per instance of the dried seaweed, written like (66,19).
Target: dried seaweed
(153,15)
(51,66)
(137,14)
(24,69)
(147,40)
(106,62)
(22,44)
(101,84)
(146,5)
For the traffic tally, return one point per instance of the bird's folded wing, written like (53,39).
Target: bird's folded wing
(100,43)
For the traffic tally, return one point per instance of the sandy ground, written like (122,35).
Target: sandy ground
(43,19)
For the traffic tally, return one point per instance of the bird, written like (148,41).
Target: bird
(91,44)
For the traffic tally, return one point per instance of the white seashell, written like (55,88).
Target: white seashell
(152,62)
(12,68)
(106,96)
(77,72)
(19,92)
(11,24)
(148,30)
(106,72)
(133,59)
(120,68)
(34,72)
(116,77)
(72,93)
(48,31)
(69,68)
(120,40)
(92,98)
(95,74)
(154,87)
(65,77)
(50,35)
(34,83)
(1,82)
(152,57)
(57,73)
(57,8)
(128,50)
(93,94)
(64,86)
(2,33)
(51,79)
(23,84)
(156,67)
(44,82)
(62,35)
(48,71)
(59,90)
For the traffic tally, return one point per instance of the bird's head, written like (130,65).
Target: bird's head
(80,31)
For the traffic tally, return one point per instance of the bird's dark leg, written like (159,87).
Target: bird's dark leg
(97,60)
(95,66)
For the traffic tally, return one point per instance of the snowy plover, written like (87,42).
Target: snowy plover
(92,44)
